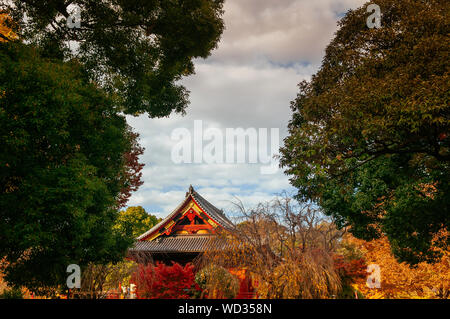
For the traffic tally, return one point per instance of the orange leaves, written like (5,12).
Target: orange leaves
(353,269)
(5,31)
(427,189)
(399,280)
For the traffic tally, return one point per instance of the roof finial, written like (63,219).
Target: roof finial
(191,190)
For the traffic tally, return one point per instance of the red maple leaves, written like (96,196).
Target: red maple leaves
(132,174)
(350,269)
(161,281)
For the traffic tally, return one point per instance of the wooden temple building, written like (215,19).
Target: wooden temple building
(184,234)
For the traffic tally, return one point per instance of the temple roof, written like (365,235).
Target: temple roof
(211,210)
(157,240)
(181,243)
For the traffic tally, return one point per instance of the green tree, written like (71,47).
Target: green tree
(135,221)
(136,49)
(62,162)
(369,138)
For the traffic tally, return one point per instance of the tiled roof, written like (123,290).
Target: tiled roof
(215,213)
(180,243)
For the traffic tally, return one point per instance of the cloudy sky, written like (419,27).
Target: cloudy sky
(268,47)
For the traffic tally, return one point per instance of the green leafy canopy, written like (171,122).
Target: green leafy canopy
(135,221)
(136,49)
(61,161)
(369,137)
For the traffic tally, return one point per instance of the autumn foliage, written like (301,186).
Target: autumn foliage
(6,33)
(162,281)
(287,248)
(400,280)
(350,270)
(132,173)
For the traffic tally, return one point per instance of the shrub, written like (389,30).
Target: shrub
(218,281)
(161,281)
(13,293)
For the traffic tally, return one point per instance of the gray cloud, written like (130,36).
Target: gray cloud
(284,31)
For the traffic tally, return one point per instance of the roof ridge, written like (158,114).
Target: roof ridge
(219,212)
(164,220)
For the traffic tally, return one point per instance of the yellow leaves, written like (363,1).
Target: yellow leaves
(5,31)
(372,294)
(399,280)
